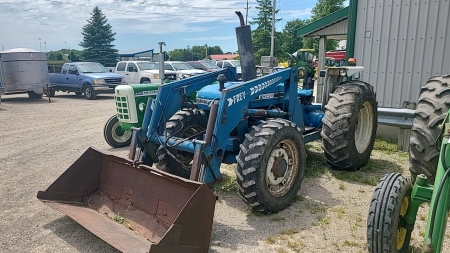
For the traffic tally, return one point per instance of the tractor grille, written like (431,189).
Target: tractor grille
(113,80)
(122,107)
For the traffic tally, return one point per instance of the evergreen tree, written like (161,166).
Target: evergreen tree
(291,42)
(322,9)
(261,35)
(97,39)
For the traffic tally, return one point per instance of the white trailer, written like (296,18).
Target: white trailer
(24,70)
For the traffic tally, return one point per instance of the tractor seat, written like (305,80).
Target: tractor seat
(304,93)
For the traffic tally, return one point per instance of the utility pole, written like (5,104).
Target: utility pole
(39,44)
(273,29)
(3,48)
(246,14)
(206,50)
(161,62)
(45,46)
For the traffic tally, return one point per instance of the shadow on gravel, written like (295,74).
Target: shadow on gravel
(24,100)
(310,209)
(73,96)
(77,236)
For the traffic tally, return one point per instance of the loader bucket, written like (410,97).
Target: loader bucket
(134,208)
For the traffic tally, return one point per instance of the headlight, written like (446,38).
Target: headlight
(343,72)
(155,76)
(141,107)
(99,81)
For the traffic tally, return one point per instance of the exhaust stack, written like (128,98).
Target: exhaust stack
(245,47)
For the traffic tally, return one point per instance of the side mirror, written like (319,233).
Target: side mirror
(110,70)
(322,73)
(77,73)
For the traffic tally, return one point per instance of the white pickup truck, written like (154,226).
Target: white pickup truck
(142,72)
(223,64)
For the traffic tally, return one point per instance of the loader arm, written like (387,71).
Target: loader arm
(172,95)
(233,106)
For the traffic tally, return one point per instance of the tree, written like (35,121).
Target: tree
(291,42)
(261,35)
(97,39)
(322,9)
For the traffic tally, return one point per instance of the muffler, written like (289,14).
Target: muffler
(134,208)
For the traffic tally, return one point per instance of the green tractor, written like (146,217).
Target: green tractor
(131,101)
(303,60)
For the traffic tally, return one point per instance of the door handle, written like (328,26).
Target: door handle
(127,74)
(67,78)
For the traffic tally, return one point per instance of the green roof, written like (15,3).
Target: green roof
(324,22)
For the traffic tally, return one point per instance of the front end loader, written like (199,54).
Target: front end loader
(160,197)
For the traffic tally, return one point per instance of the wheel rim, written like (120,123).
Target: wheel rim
(401,231)
(87,92)
(282,168)
(119,134)
(364,127)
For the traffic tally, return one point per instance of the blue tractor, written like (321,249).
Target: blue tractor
(261,124)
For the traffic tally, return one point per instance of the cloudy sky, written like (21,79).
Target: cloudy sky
(139,24)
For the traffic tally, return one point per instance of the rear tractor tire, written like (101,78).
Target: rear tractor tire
(389,204)
(349,125)
(432,107)
(183,124)
(271,165)
(114,135)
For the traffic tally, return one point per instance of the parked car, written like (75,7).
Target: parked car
(183,69)
(204,65)
(231,63)
(142,72)
(88,78)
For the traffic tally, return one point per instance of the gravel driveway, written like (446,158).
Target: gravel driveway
(40,140)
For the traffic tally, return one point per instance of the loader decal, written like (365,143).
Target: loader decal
(236,98)
(264,85)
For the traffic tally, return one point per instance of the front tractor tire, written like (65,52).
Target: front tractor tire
(432,107)
(187,123)
(114,135)
(271,165)
(390,201)
(349,125)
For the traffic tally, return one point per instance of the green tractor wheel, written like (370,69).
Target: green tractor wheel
(390,201)
(114,135)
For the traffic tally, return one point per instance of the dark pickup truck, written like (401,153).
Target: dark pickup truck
(88,78)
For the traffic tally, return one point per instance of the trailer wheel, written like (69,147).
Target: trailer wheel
(389,204)
(271,165)
(114,135)
(183,124)
(432,107)
(89,92)
(349,125)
